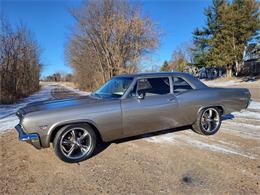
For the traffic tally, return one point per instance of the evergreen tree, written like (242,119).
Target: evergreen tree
(240,22)
(165,67)
(229,28)
(202,37)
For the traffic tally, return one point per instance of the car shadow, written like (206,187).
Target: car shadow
(101,146)
(228,117)
(147,135)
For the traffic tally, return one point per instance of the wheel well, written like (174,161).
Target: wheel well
(55,131)
(221,109)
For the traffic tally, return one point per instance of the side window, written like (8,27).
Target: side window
(180,85)
(144,85)
(153,86)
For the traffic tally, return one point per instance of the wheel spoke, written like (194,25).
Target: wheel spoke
(205,116)
(83,136)
(64,149)
(73,135)
(210,113)
(67,142)
(205,125)
(209,126)
(71,149)
(216,120)
(83,149)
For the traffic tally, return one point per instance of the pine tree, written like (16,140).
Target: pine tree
(165,67)
(229,28)
(202,37)
(240,22)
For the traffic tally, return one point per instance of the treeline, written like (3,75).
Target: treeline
(19,62)
(109,38)
(231,28)
(58,77)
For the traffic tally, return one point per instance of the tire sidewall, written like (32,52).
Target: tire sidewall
(65,129)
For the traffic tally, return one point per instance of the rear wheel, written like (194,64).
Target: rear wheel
(208,121)
(74,143)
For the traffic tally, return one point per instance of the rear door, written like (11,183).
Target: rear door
(189,100)
(158,110)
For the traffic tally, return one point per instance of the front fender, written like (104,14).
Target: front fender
(45,141)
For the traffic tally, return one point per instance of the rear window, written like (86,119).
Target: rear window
(180,85)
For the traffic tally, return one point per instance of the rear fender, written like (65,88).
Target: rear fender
(210,106)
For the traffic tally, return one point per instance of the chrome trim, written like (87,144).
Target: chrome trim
(249,99)
(32,138)
(248,103)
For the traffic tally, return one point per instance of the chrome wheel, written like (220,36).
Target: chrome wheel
(76,143)
(210,120)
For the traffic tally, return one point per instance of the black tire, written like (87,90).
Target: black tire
(65,131)
(198,125)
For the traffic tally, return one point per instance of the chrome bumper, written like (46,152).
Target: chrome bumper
(32,138)
(248,103)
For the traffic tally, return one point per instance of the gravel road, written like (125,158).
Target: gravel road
(178,161)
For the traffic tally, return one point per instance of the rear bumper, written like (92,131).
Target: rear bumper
(248,102)
(32,138)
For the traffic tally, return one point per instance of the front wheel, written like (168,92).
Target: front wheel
(208,121)
(74,143)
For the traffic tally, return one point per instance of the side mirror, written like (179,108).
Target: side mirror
(141,95)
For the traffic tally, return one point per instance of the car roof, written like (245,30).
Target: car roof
(148,74)
(196,83)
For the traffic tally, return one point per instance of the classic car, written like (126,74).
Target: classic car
(125,106)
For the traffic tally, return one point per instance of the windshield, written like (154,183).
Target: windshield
(114,88)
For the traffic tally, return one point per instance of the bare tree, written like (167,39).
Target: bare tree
(109,38)
(179,60)
(19,62)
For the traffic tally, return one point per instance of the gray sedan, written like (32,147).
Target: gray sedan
(127,105)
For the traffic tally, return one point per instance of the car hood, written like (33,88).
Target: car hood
(56,104)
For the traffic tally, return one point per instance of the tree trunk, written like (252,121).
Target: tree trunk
(229,72)
(238,68)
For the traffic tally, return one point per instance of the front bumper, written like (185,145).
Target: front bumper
(32,138)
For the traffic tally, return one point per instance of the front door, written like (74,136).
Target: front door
(157,110)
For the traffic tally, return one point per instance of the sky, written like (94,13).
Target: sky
(51,25)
